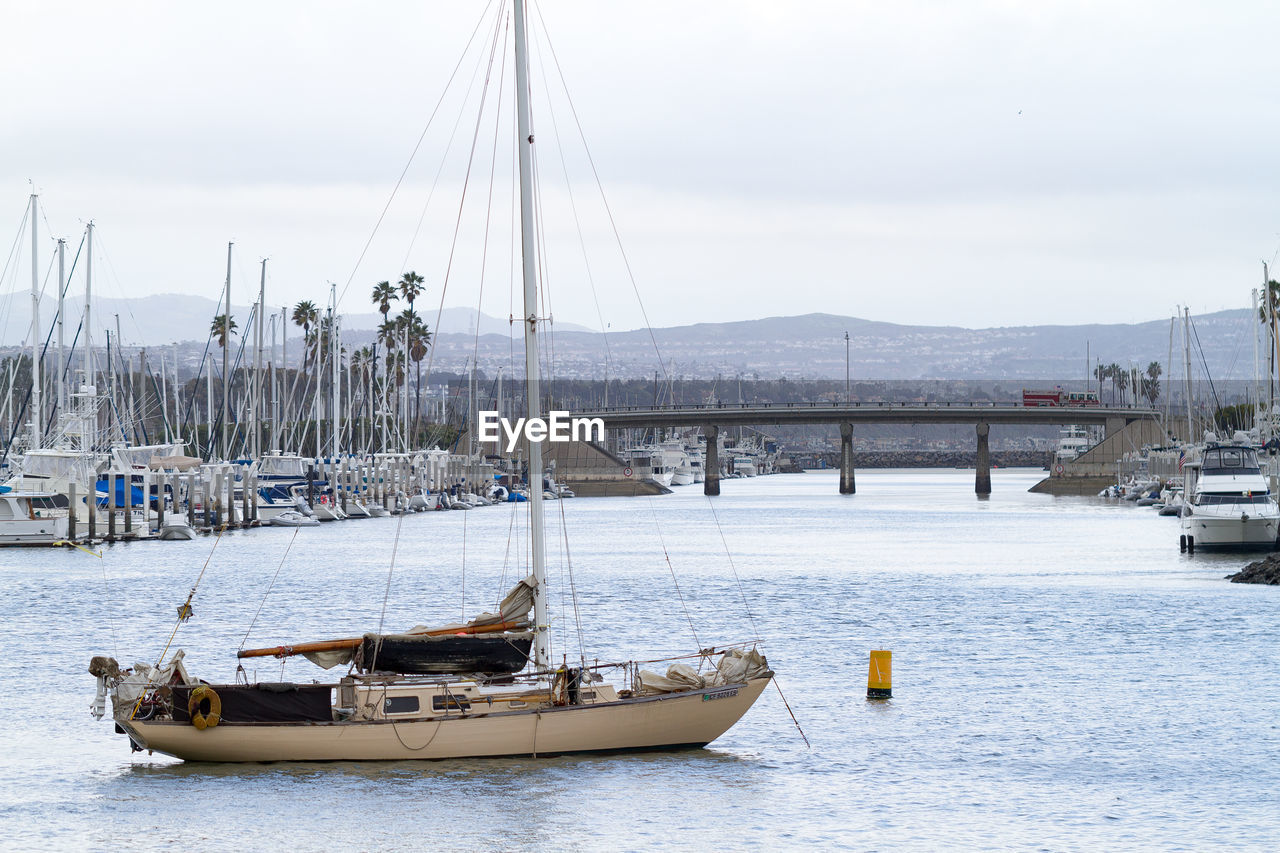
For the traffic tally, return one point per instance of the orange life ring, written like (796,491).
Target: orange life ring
(196,700)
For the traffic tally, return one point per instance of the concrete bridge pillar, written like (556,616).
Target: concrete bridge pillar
(982,486)
(847,485)
(711,465)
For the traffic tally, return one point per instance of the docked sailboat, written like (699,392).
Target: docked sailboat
(456,691)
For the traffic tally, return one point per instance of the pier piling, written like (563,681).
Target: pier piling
(982,484)
(847,484)
(711,465)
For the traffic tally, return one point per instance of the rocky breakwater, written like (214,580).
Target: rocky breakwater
(944,459)
(1264,571)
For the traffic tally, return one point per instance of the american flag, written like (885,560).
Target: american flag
(1182,459)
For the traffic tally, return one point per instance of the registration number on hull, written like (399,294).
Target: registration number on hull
(720,694)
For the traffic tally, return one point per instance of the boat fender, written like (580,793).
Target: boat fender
(195,702)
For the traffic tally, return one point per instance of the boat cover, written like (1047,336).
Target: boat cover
(736,666)
(263,703)
(513,611)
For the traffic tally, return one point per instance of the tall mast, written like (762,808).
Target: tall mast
(284,366)
(90,369)
(528,248)
(335,353)
(275,397)
(1255,390)
(226,376)
(259,317)
(1186,351)
(37,413)
(62,353)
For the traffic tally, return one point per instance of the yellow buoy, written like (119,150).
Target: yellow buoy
(879,680)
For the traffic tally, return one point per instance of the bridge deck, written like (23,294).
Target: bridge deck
(840,413)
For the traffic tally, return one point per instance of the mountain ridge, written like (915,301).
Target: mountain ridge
(805,346)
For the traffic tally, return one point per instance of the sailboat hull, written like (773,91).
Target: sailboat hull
(665,721)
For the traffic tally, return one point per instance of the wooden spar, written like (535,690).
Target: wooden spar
(353,642)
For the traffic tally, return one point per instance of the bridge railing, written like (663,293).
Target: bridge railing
(877,404)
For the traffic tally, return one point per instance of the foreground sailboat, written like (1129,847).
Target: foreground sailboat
(484,688)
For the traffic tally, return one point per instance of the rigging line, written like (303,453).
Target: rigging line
(1212,390)
(448,147)
(573,587)
(466,184)
(729,556)
(106,588)
(263,601)
(573,207)
(488,210)
(413,153)
(511,537)
(464,567)
(600,186)
(789,711)
(658,528)
(17,241)
(184,613)
(395,546)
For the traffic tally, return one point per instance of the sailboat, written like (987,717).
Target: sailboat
(485,688)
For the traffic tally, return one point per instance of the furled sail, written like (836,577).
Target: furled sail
(512,615)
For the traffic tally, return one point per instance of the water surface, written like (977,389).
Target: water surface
(1063,677)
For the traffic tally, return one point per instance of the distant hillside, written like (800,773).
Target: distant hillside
(813,346)
(809,346)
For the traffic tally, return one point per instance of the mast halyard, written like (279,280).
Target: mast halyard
(226,374)
(37,411)
(528,248)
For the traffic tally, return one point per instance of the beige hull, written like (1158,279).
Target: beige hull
(692,718)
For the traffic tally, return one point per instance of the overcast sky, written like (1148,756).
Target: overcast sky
(966,163)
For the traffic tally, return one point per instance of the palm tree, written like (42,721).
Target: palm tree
(418,339)
(305,315)
(411,287)
(383,295)
(1270,304)
(1151,382)
(1113,371)
(222,328)
(1122,381)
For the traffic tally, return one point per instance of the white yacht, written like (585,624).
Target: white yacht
(1072,442)
(676,458)
(1230,505)
(745,465)
(32,518)
(649,463)
(697,462)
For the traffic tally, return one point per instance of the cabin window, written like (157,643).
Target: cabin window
(53,502)
(1219,499)
(1230,460)
(450,703)
(400,705)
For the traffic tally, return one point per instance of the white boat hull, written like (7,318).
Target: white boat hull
(671,720)
(1230,532)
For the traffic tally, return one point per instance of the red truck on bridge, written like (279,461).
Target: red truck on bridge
(1058,397)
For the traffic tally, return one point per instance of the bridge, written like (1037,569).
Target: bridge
(710,418)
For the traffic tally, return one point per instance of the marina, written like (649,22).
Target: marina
(410,440)
(1046,692)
